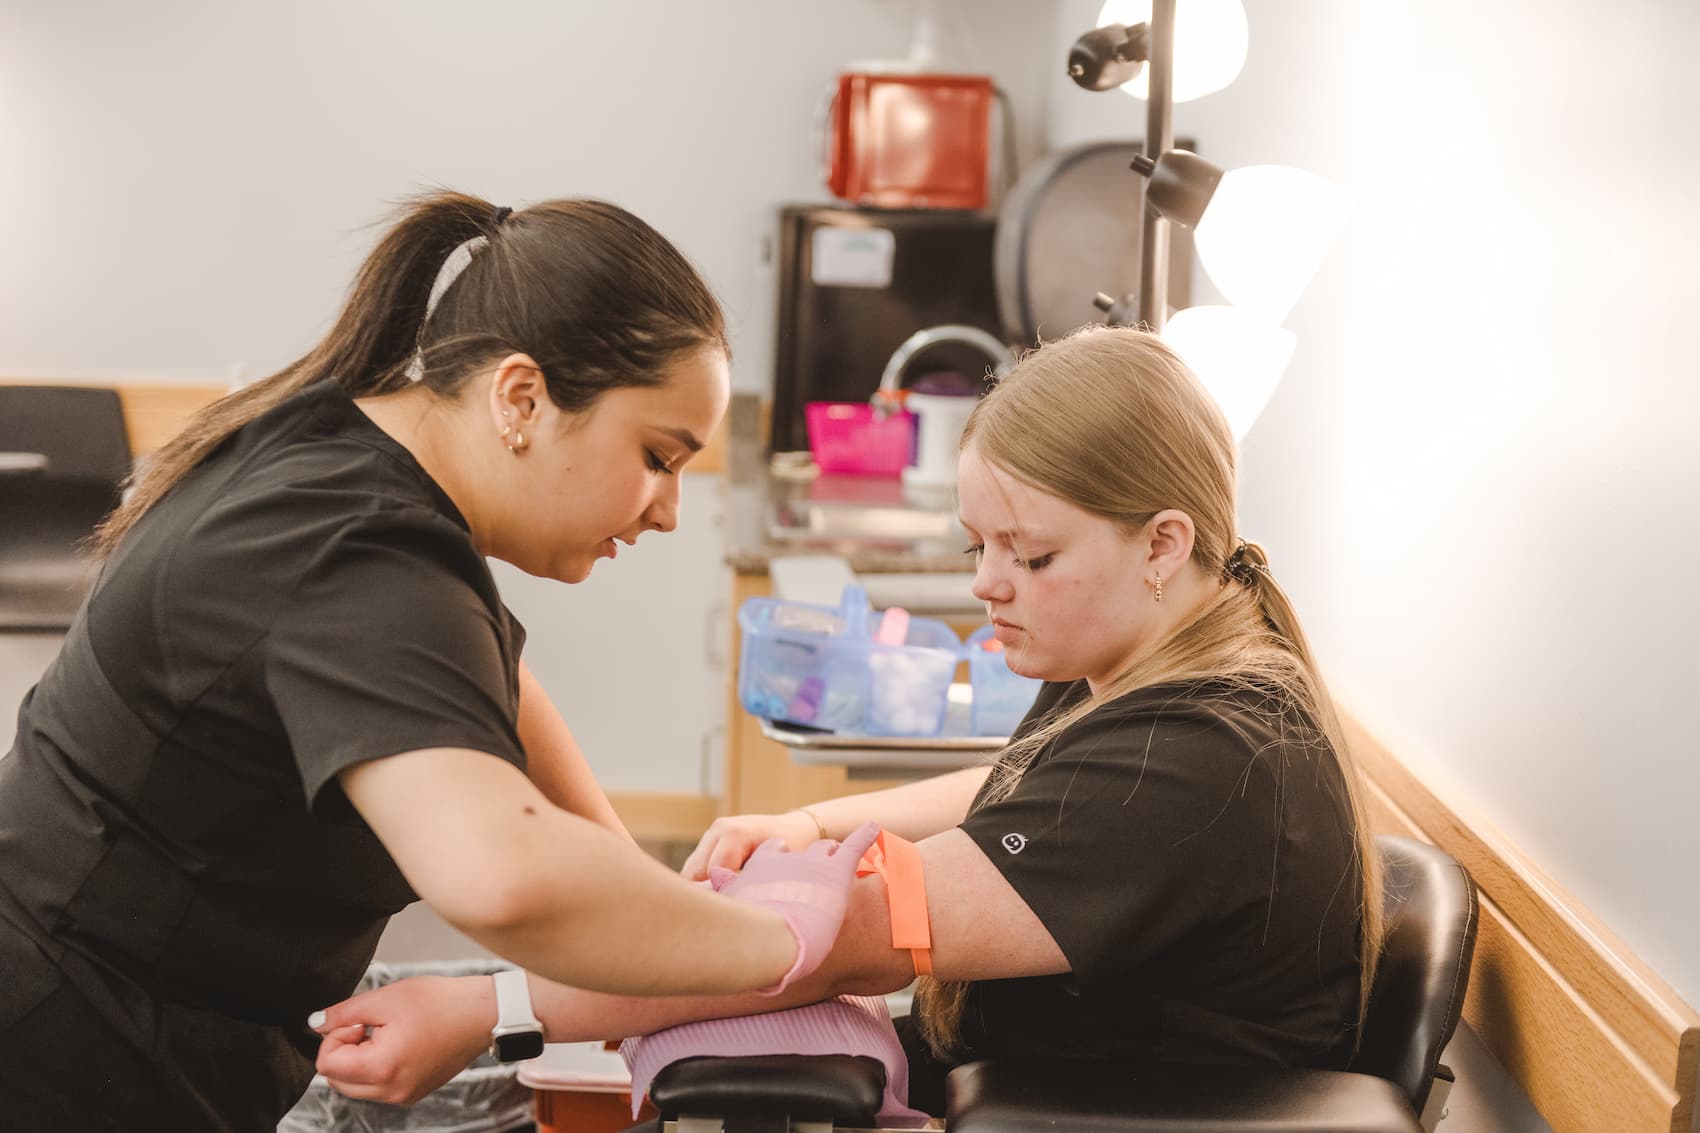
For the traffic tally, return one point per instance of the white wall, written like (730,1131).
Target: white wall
(186,187)
(1479,477)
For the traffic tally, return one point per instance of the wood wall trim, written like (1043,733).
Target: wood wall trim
(155,411)
(1595,1038)
(155,414)
(659,817)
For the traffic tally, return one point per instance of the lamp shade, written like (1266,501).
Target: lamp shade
(1210,44)
(1239,357)
(1264,233)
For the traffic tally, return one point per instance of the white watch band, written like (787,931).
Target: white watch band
(513,1002)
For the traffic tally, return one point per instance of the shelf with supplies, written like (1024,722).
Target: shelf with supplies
(906,552)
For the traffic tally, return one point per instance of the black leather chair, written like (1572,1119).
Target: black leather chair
(64,453)
(1414,1007)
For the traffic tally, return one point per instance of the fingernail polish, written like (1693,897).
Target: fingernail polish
(316,1020)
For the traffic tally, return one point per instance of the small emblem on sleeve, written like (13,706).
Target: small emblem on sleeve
(1015,843)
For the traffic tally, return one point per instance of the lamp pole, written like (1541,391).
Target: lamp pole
(1159,138)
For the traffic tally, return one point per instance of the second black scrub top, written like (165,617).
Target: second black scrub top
(182,880)
(1191,851)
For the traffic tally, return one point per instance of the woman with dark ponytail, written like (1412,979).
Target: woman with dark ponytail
(1168,862)
(294,702)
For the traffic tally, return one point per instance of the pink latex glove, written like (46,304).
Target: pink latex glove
(809,888)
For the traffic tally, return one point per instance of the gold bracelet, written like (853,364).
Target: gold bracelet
(820,827)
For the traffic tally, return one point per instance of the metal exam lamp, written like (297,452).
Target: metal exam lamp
(1261,231)
(1210,41)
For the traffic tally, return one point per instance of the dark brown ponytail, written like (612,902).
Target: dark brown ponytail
(598,298)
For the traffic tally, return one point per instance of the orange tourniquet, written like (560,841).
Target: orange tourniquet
(899,862)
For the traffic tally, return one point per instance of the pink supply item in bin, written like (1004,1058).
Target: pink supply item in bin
(841,670)
(794,653)
(849,438)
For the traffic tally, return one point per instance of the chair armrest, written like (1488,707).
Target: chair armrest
(845,1089)
(1035,1095)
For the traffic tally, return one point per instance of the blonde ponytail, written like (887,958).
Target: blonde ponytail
(1111,420)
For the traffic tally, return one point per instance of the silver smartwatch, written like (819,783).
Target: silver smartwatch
(517,1034)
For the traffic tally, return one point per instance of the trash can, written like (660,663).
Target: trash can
(583,1088)
(486,1097)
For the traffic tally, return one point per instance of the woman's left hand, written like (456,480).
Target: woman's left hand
(399,1042)
(729,842)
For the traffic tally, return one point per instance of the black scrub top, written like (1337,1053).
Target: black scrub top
(1192,851)
(182,880)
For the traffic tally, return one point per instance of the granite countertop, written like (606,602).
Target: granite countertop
(877,524)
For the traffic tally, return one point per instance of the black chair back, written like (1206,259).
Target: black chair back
(1430,905)
(47,511)
(80,429)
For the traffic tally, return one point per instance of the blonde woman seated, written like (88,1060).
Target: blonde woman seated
(1168,862)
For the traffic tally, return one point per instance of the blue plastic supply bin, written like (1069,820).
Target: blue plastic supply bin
(1001,696)
(821,668)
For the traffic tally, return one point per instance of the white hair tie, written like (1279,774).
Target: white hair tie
(453,265)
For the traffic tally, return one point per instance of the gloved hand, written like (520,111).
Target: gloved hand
(809,888)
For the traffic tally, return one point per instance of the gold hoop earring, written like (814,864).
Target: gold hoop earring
(1157,589)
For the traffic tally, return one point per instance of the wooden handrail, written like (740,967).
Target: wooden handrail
(1595,1037)
(155,411)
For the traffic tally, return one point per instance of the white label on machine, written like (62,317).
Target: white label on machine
(851,257)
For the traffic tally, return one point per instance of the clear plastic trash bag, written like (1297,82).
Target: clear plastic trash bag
(486,1097)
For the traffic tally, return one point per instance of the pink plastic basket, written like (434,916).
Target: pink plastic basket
(846,437)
